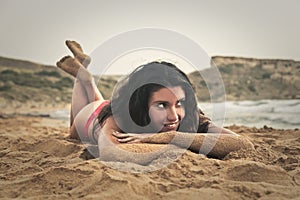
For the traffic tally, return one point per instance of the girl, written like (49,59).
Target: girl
(154,104)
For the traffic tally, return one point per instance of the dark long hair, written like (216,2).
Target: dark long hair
(129,103)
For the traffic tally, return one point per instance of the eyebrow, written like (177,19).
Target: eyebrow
(161,101)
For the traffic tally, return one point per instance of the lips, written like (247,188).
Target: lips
(171,126)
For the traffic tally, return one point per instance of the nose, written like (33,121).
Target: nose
(173,114)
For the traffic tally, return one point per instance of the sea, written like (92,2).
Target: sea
(279,114)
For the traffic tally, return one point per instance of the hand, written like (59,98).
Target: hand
(130,138)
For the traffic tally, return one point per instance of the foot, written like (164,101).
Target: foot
(73,67)
(78,53)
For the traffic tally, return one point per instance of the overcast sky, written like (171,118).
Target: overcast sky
(35,30)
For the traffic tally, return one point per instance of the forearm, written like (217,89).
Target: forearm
(218,145)
(110,149)
(212,145)
(142,154)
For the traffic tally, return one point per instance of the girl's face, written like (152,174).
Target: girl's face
(166,108)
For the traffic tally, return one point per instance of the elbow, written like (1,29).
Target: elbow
(228,144)
(245,143)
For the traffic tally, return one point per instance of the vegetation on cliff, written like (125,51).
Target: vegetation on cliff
(244,79)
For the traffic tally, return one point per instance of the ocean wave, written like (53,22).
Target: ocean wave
(282,114)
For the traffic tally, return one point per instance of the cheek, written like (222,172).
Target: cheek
(182,115)
(157,116)
(181,112)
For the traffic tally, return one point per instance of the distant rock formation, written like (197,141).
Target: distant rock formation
(244,79)
(252,79)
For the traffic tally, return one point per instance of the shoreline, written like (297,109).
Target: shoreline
(278,114)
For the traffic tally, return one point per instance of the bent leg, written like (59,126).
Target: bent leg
(85,89)
(91,89)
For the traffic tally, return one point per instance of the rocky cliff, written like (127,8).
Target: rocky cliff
(243,78)
(252,79)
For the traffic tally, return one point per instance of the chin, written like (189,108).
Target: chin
(168,129)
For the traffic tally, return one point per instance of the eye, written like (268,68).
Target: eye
(180,102)
(161,105)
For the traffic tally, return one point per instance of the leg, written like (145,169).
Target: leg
(79,92)
(85,90)
(90,88)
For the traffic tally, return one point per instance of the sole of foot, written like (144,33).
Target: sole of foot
(77,51)
(73,67)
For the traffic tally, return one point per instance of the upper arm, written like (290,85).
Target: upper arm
(108,127)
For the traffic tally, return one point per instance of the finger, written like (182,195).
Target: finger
(134,141)
(125,140)
(121,135)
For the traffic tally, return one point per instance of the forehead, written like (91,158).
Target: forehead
(169,93)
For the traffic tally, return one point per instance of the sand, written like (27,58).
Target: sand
(39,161)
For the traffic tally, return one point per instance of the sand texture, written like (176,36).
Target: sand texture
(39,161)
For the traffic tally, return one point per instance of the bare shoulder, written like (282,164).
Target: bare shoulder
(107,128)
(110,124)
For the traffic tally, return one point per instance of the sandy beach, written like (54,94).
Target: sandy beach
(39,161)
(239,56)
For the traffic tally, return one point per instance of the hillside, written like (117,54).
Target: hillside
(24,82)
(29,84)
(252,79)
